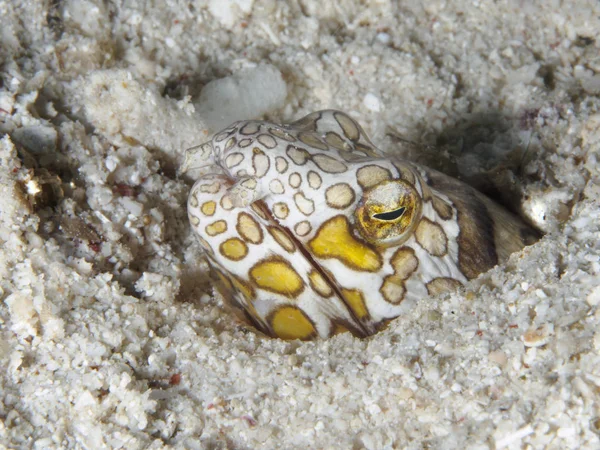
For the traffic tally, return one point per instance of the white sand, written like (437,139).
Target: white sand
(110,337)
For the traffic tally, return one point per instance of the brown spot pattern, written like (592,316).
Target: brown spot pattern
(281,164)
(298,155)
(305,205)
(393,289)
(226,203)
(405,263)
(212,188)
(295,180)
(282,239)
(267,140)
(215,228)
(339,196)
(276,186)
(371,175)
(443,209)
(281,134)
(405,173)
(230,143)
(303,228)
(249,229)
(442,284)
(431,237)
(337,142)
(250,128)
(245,143)
(348,126)
(281,210)
(233,159)
(312,141)
(260,162)
(308,122)
(222,136)
(328,164)
(314,179)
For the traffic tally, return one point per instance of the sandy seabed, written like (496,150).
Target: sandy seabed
(109,334)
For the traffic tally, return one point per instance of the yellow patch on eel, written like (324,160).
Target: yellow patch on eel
(334,240)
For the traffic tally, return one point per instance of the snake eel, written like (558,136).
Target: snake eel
(311,230)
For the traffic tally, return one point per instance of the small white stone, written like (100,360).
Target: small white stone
(84,401)
(515,436)
(111,162)
(374,409)
(564,432)
(33,187)
(132,206)
(593,298)
(384,38)
(372,103)
(229,11)
(244,95)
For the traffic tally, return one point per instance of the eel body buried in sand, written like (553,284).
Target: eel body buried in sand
(311,230)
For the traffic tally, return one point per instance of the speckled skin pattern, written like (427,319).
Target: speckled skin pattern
(311,230)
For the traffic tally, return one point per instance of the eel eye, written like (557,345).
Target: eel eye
(388,213)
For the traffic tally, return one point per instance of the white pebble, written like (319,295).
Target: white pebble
(384,38)
(564,432)
(593,298)
(132,206)
(245,95)
(229,11)
(111,163)
(516,436)
(372,102)
(374,409)
(456,388)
